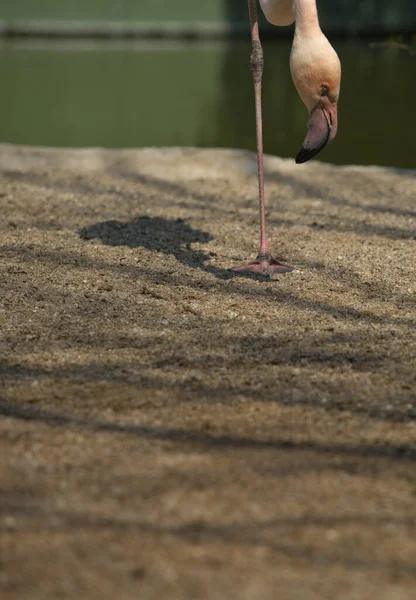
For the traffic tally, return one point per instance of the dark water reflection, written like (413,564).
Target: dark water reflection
(162,94)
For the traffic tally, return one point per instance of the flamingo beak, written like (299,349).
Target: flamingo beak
(322,129)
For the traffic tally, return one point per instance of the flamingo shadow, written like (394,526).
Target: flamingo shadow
(158,234)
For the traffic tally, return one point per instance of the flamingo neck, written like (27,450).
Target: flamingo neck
(307,22)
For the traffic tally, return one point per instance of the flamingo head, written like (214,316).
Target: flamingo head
(316,73)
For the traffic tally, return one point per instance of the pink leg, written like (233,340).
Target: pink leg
(264,264)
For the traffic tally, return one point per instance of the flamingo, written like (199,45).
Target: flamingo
(316,73)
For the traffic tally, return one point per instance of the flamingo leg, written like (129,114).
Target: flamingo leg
(264,264)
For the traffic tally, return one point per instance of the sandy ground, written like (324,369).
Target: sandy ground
(171,431)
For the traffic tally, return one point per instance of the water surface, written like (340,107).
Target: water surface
(135,94)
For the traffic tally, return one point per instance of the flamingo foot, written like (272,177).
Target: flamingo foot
(264,265)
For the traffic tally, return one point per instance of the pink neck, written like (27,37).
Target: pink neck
(307,21)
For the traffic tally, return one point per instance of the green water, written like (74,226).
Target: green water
(164,94)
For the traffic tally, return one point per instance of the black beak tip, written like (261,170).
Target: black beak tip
(306,154)
(302,156)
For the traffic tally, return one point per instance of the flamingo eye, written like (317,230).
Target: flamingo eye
(324,90)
